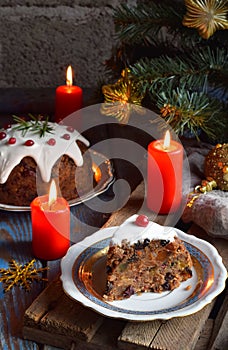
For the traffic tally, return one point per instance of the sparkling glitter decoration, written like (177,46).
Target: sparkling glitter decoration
(122,98)
(21,275)
(206,15)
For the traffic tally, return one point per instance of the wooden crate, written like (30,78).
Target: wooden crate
(55,319)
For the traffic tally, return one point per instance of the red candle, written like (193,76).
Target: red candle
(68,98)
(165,163)
(50,226)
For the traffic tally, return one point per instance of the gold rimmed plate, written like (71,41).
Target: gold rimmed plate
(84,278)
(106,180)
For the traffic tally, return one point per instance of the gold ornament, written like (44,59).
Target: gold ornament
(206,186)
(21,275)
(122,98)
(216,165)
(216,172)
(206,15)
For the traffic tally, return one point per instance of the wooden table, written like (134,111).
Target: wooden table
(45,315)
(51,318)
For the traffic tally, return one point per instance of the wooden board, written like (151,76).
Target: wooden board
(55,319)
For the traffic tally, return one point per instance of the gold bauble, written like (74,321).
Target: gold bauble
(216,165)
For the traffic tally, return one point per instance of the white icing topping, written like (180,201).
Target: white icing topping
(44,154)
(133,233)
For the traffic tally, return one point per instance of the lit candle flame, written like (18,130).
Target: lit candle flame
(97,172)
(167,139)
(69,76)
(52,194)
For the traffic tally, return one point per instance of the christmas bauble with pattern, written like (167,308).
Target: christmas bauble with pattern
(216,165)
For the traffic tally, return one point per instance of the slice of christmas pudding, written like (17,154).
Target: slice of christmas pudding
(145,257)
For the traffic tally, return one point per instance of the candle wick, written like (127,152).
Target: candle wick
(164,146)
(51,204)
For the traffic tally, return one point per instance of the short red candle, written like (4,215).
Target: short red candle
(68,98)
(50,227)
(165,172)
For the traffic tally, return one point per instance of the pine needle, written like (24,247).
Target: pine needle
(35,125)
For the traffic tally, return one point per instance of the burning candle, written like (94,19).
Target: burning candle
(165,163)
(50,225)
(68,98)
(97,172)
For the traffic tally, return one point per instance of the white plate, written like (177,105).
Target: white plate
(83,277)
(105,182)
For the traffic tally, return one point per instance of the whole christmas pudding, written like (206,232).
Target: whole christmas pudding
(32,153)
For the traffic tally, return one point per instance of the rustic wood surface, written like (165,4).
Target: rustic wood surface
(55,318)
(15,244)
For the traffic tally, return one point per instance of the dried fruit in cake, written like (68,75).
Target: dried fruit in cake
(145,259)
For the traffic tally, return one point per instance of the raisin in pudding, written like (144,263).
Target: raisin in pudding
(145,257)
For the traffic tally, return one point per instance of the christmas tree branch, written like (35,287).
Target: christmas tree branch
(144,22)
(194,70)
(177,55)
(193,111)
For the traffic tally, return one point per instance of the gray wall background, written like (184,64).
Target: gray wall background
(39,39)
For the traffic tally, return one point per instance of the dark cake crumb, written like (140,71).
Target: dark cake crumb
(147,266)
(128,292)
(25,182)
(164,242)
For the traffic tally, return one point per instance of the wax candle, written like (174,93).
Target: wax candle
(68,98)
(164,183)
(50,225)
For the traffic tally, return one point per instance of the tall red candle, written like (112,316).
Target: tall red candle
(50,227)
(68,98)
(164,183)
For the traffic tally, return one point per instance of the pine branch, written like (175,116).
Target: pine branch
(142,23)
(194,70)
(183,75)
(35,125)
(145,23)
(191,111)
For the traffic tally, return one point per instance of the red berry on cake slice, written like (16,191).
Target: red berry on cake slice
(142,220)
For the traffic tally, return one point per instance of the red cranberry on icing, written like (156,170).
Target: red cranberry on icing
(2,135)
(70,129)
(12,141)
(7,126)
(51,142)
(142,220)
(29,143)
(66,136)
